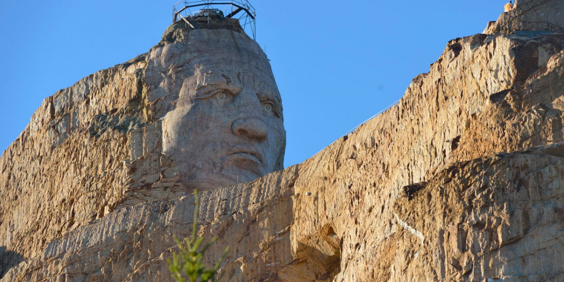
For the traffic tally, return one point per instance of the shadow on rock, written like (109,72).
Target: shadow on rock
(8,259)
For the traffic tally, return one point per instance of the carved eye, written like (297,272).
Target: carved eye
(268,109)
(221,95)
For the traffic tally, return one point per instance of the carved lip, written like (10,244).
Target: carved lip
(247,151)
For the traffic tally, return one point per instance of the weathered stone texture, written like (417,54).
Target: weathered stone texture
(462,180)
(500,218)
(132,244)
(98,145)
(530,15)
(57,175)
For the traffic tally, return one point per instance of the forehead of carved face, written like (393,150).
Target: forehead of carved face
(227,125)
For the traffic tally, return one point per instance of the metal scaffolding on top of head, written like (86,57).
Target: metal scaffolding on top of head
(238,9)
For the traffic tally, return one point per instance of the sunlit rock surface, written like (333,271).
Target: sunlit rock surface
(462,180)
(530,15)
(199,110)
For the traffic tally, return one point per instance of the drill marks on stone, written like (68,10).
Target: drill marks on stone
(393,270)
(451,100)
(410,229)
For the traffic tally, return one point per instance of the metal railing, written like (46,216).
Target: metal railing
(238,9)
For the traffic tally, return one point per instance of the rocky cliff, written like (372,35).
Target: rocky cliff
(530,15)
(462,180)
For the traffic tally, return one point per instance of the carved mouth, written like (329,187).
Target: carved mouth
(247,152)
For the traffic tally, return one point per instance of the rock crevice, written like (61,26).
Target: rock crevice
(461,180)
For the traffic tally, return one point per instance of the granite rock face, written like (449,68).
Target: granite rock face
(530,15)
(462,180)
(199,110)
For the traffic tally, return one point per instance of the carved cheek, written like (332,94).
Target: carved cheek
(276,139)
(276,129)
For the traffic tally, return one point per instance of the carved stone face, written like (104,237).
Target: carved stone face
(226,126)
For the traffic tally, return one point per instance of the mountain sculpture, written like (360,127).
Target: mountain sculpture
(462,180)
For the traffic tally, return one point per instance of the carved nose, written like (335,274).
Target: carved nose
(252,128)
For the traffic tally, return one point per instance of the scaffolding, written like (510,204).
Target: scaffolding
(237,9)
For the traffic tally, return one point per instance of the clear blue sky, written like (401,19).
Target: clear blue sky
(336,62)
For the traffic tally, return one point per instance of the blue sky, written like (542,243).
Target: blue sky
(336,63)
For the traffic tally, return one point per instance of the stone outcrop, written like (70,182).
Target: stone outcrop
(530,15)
(105,142)
(462,180)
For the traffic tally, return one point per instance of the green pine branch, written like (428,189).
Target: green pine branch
(187,265)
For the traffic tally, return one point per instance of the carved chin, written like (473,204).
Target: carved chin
(237,169)
(208,184)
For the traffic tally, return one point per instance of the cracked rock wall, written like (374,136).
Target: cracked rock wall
(530,15)
(462,180)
